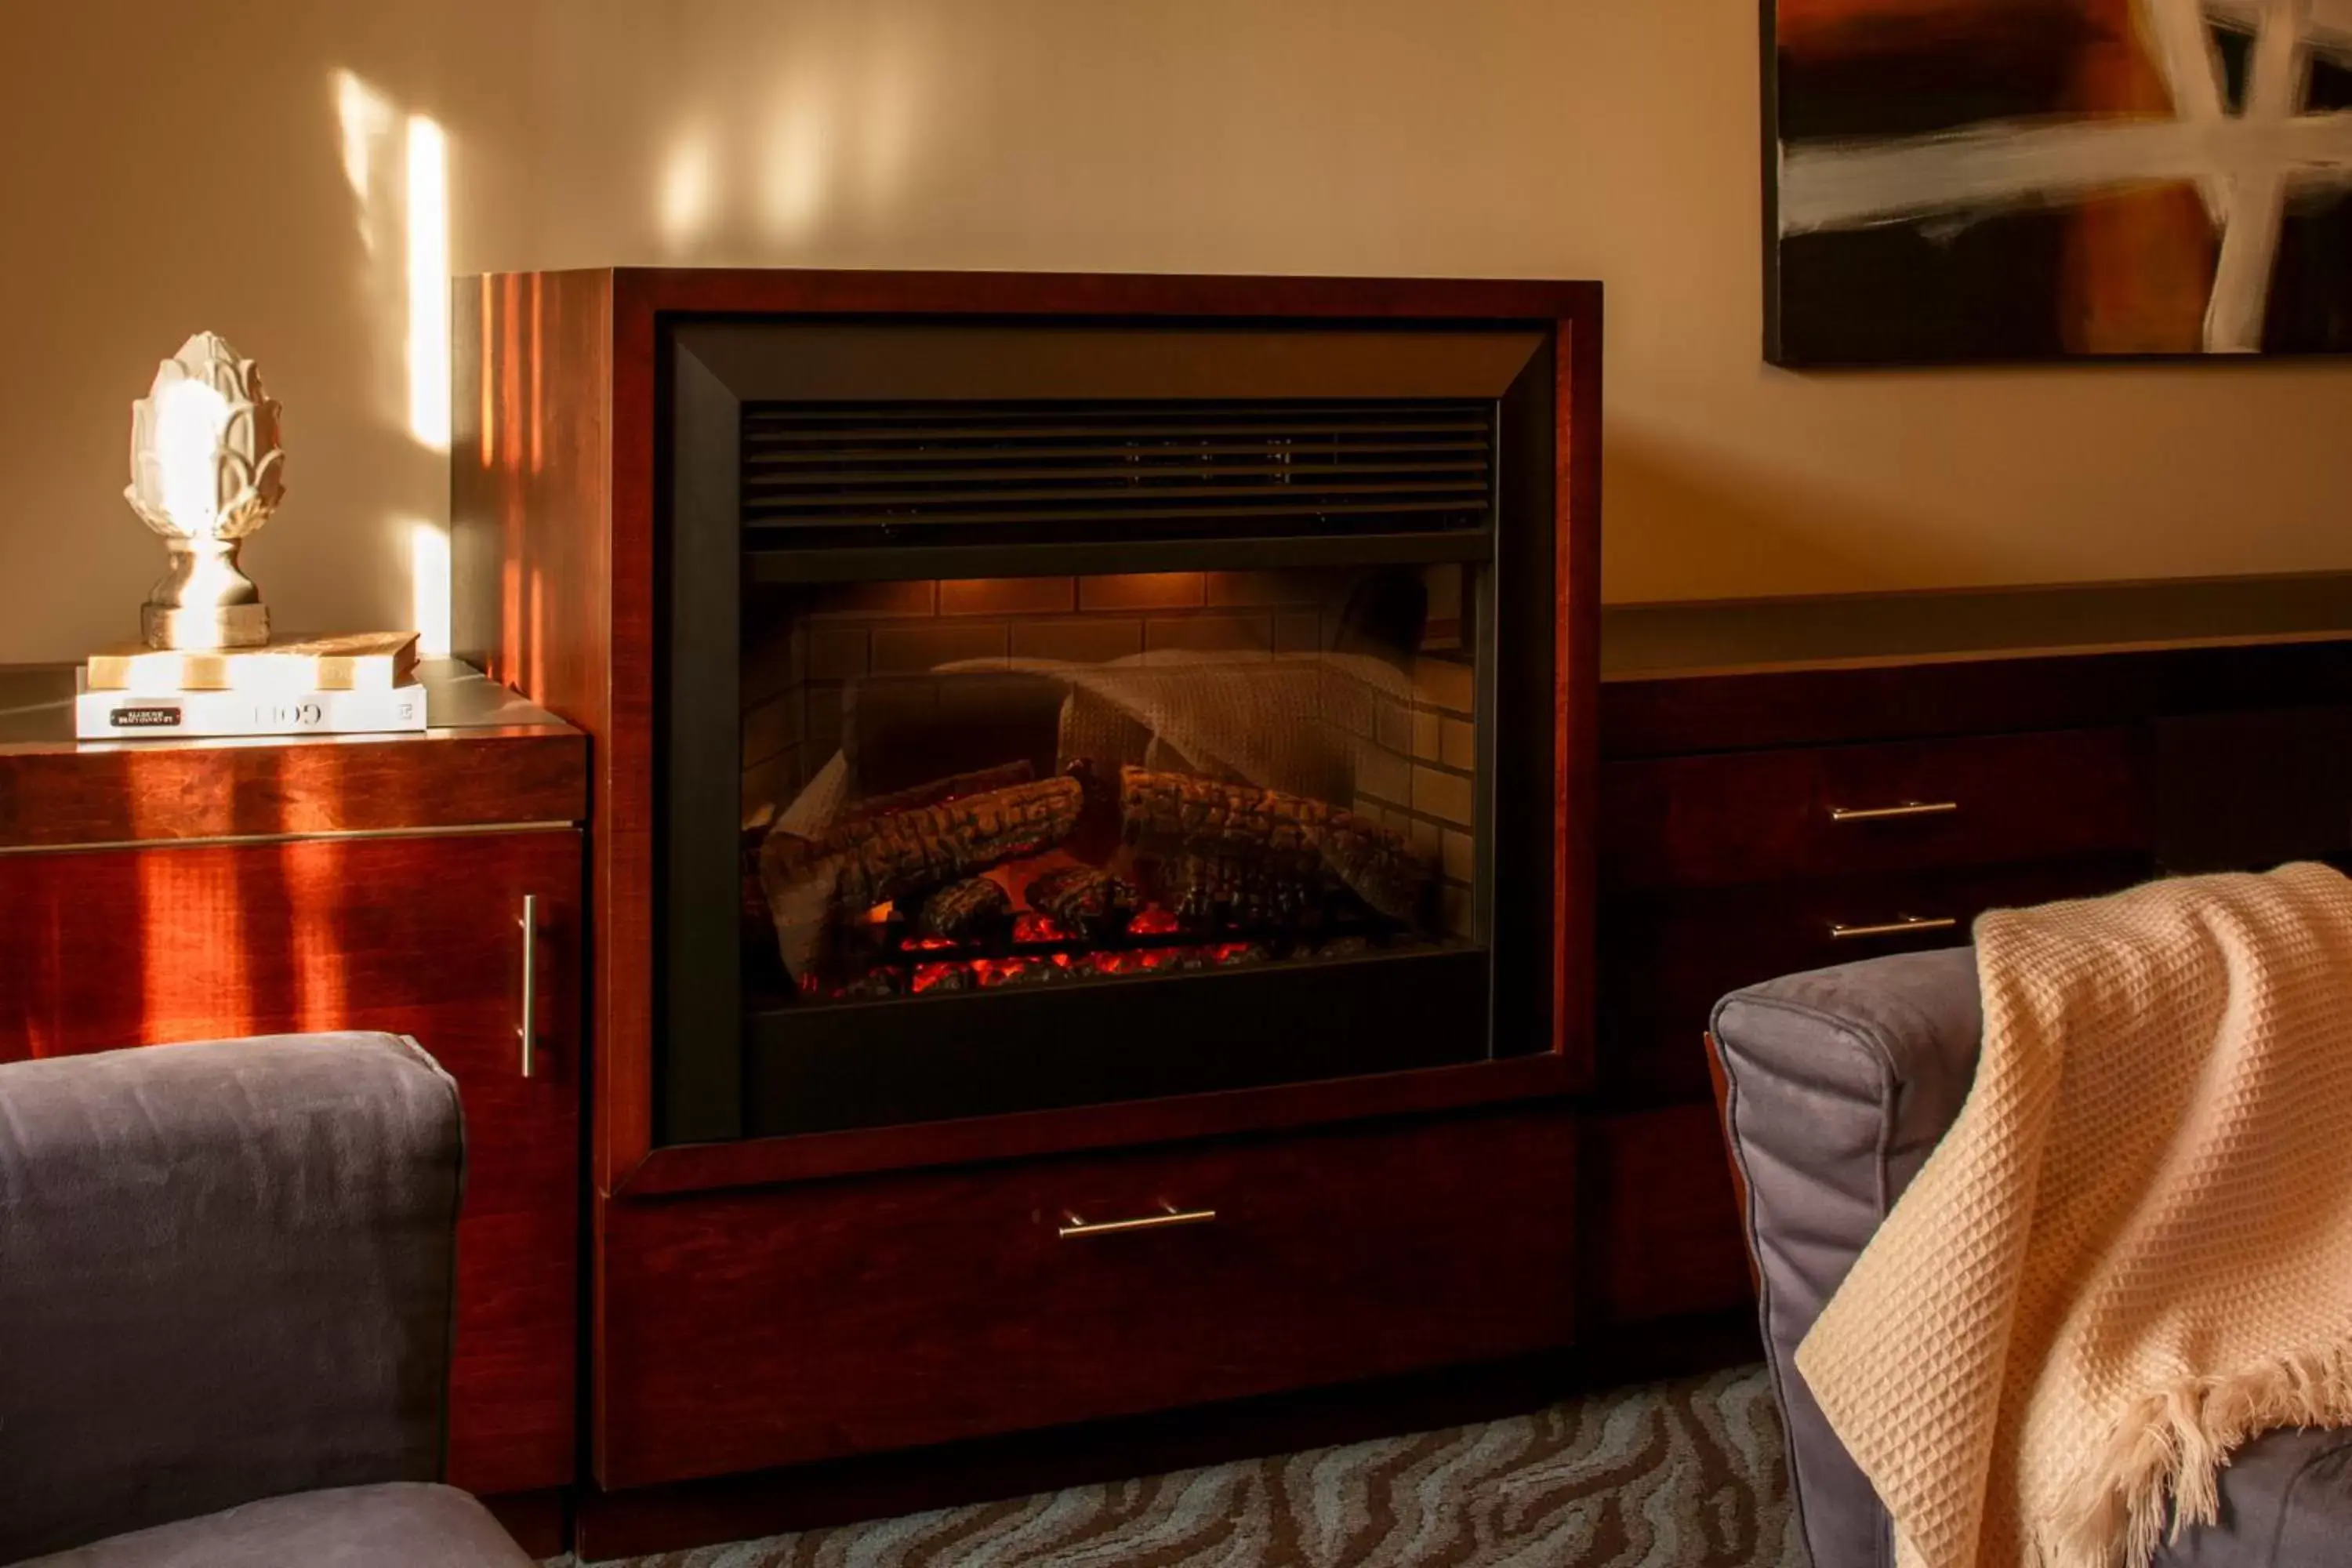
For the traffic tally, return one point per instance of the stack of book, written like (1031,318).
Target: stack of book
(295,686)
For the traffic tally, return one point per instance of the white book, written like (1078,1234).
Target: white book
(130,716)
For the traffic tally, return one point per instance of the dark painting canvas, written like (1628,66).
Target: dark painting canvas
(1957,179)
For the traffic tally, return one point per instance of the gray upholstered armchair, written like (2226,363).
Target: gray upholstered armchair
(226,1276)
(1837,1086)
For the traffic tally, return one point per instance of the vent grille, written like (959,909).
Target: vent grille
(1045,472)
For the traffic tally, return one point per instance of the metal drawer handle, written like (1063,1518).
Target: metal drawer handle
(1907,925)
(1889,813)
(528,1028)
(1076,1226)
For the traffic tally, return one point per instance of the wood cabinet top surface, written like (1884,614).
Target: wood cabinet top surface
(1756,636)
(36,714)
(490,759)
(1680,679)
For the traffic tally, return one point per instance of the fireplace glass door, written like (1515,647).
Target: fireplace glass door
(968,787)
(1085,728)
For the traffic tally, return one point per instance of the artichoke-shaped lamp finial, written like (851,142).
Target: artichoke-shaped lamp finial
(206,471)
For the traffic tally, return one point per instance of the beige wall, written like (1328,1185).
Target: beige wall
(171,164)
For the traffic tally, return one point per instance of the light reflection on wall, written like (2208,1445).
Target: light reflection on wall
(428,577)
(890,111)
(792,164)
(374,156)
(429,283)
(806,138)
(688,182)
(367,120)
(397,166)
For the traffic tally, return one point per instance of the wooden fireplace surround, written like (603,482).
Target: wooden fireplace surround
(719,1339)
(554,508)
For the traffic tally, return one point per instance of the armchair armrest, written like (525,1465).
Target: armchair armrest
(225,1273)
(1837,1085)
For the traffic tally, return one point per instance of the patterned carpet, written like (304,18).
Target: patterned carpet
(1673,1475)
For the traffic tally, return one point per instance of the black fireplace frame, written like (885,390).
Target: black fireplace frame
(721,1074)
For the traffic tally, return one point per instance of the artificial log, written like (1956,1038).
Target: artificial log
(870,859)
(1286,836)
(1210,890)
(964,911)
(955,786)
(1378,865)
(865,860)
(1089,904)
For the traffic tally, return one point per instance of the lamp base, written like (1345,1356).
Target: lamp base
(220,626)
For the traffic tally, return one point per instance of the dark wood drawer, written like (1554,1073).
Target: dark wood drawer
(765,1328)
(1664,960)
(1725,819)
(2248,791)
(1664,1234)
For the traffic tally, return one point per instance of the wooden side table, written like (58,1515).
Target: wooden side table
(166,890)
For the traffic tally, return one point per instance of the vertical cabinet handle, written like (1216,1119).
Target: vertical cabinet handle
(528,1028)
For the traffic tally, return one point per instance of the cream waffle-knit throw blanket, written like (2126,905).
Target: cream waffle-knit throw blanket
(2133,1250)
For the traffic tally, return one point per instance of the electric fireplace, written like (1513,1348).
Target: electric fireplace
(1091,833)
(1062,713)
(1165,693)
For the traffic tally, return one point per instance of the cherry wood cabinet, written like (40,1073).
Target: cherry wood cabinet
(241,888)
(1794,798)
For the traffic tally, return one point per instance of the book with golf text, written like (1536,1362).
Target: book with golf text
(135,715)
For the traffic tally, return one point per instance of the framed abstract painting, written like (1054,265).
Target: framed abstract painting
(2016,180)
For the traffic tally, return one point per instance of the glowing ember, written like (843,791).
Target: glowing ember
(1127,962)
(1047,951)
(942,977)
(994,971)
(1038,927)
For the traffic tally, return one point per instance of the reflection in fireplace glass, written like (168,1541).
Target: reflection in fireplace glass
(967,784)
